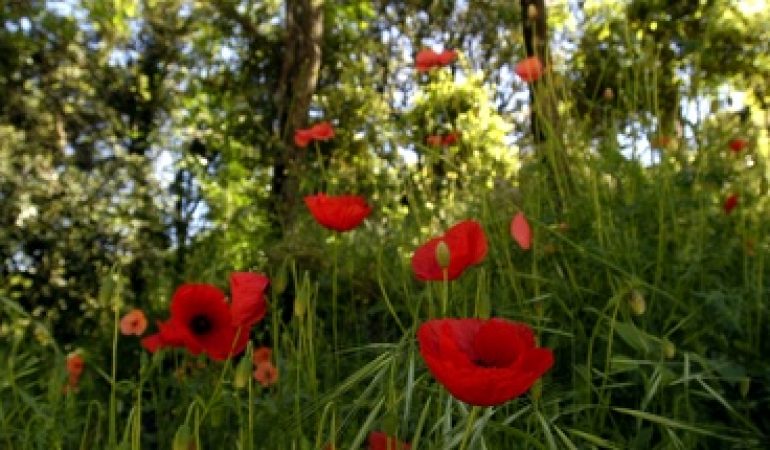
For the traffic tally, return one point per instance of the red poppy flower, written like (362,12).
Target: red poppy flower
(521,231)
(200,321)
(467,246)
(266,374)
(75,365)
(450,139)
(340,212)
(381,441)
(134,322)
(446,57)
(260,355)
(427,59)
(730,203)
(738,144)
(322,131)
(529,69)
(483,362)
(248,292)
(434,140)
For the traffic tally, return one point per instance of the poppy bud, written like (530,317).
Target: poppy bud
(279,281)
(532,11)
(637,303)
(183,439)
(668,348)
(442,255)
(300,306)
(242,372)
(609,94)
(744,386)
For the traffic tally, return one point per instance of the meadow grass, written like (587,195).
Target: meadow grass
(687,372)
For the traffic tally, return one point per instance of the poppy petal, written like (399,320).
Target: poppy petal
(248,291)
(521,231)
(529,69)
(482,363)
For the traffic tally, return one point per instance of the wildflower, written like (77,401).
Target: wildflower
(467,245)
(427,59)
(75,366)
(266,374)
(434,140)
(521,231)
(738,144)
(248,290)
(730,203)
(322,131)
(445,140)
(483,362)
(381,441)
(262,354)
(529,69)
(134,322)
(450,139)
(202,321)
(340,212)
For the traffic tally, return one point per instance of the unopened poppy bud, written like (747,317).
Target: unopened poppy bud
(744,386)
(608,94)
(280,281)
(669,349)
(300,306)
(532,11)
(242,373)
(183,439)
(637,303)
(442,255)
(537,390)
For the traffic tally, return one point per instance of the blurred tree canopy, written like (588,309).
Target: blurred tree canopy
(156,135)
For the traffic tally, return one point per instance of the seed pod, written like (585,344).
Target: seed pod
(443,256)
(636,303)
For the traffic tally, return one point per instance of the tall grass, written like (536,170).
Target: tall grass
(689,372)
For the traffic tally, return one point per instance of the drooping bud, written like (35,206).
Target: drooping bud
(243,371)
(443,255)
(636,303)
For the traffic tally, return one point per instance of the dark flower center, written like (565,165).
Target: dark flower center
(200,324)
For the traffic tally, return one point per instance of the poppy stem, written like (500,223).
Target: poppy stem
(320,163)
(334,305)
(469,427)
(445,292)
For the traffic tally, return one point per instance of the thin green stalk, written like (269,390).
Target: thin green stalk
(113,438)
(469,427)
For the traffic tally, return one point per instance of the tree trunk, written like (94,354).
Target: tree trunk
(297,84)
(544,115)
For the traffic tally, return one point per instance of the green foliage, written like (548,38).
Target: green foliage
(139,143)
